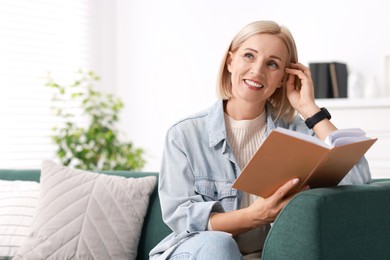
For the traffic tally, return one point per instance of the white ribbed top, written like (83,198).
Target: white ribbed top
(245,137)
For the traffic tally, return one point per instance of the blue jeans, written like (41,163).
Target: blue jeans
(208,245)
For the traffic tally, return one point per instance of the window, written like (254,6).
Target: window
(37,37)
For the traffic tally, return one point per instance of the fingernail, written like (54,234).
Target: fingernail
(295,181)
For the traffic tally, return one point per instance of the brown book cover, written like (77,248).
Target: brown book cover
(287,154)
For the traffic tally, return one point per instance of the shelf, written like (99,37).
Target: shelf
(351,103)
(371,115)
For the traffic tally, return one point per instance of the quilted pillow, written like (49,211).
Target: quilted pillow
(18,200)
(86,215)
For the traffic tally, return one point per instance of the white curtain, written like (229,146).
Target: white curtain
(37,37)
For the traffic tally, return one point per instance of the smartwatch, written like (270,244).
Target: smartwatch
(317,117)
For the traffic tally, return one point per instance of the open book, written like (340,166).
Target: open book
(287,154)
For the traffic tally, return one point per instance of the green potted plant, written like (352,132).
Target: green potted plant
(92,143)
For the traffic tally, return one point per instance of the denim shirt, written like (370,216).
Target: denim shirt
(198,169)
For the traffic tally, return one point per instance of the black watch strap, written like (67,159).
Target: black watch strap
(317,117)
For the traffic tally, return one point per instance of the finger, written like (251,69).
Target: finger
(285,189)
(290,79)
(306,187)
(285,202)
(301,67)
(297,72)
(302,77)
(287,199)
(290,83)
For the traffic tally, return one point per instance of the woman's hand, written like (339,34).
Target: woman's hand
(265,210)
(301,99)
(262,211)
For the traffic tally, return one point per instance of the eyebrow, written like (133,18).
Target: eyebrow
(272,56)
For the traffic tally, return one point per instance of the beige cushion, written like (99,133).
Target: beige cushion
(85,215)
(18,200)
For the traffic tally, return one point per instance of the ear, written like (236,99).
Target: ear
(229,60)
(283,80)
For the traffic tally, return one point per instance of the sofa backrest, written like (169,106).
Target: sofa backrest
(344,222)
(154,229)
(23,175)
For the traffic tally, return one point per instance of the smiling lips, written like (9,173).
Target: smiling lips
(253,84)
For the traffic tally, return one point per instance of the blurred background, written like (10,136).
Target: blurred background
(161,58)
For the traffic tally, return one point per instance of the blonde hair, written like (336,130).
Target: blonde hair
(281,105)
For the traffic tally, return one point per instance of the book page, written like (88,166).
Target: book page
(346,136)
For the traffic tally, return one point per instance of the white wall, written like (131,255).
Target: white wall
(168,52)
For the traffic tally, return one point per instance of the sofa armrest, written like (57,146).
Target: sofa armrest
(344,222)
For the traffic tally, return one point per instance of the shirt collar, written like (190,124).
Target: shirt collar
(270,121)
(216,126)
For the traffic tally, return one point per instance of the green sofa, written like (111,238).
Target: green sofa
(345,222)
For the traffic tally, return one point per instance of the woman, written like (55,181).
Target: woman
(261,86)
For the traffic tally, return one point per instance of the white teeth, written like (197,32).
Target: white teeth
(253,84)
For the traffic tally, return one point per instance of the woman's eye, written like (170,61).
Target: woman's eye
(273,64)
(249,55)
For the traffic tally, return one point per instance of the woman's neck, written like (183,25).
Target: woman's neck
(241,110)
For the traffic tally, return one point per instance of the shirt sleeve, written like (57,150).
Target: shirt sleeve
(182,208)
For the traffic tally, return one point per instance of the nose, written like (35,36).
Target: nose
(256,69)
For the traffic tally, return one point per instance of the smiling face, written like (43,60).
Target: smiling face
(257,69)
